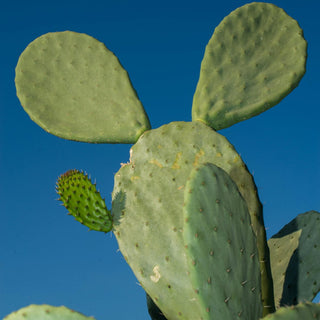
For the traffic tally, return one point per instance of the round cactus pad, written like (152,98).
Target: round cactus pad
(72,86)
(147,207)
(221,247)
(256,56)
(46,312)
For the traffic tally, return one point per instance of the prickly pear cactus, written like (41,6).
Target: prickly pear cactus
(295,256)
(185,208)
(46,312)
(149,195)
(220,245)
(72,86)
(255,57)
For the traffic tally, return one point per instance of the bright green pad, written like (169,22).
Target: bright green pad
(72,86)
(295,256)
(46,312)
(255,57)
(80,196)
(221,247)
(303,311)
(148,201)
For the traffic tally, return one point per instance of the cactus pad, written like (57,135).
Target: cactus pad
(46,312)
(255,57)
(295,256)
(221,247)
(148,201)
(281,252)
(72,86)
(80,196)
(303,311)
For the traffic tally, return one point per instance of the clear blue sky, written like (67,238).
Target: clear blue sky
(47,257)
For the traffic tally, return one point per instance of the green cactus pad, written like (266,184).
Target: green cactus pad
(303,311)
(80,196)
(256,56)
(46,312)
(72,86)
(221,247)
(295,256)
(281,251)
(148,201)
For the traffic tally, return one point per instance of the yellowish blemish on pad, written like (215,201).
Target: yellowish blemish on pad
(236,159)
(197,157)
(156,162)
(176,161)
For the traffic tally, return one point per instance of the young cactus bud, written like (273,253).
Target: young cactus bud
(80,196)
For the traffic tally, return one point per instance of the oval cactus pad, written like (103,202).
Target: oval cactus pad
(72,86)
(147,207)
(256,56)
(46,312)
(221,248)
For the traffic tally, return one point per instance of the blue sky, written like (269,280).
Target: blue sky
(46,257)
